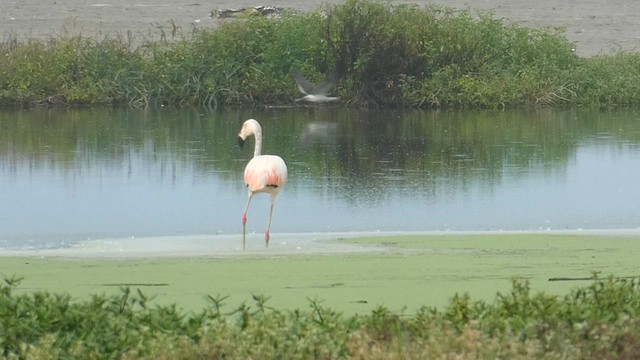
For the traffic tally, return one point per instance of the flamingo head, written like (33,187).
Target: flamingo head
(249,128)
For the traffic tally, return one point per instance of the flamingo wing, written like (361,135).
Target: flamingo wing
(265,173)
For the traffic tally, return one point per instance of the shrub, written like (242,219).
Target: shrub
(599,321)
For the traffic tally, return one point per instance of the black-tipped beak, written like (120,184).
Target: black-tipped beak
(240,142)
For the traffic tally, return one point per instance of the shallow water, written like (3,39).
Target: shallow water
(79,174)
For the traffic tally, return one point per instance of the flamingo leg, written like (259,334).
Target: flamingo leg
(266,235)
(244,221)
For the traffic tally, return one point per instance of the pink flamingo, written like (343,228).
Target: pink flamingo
(264,173)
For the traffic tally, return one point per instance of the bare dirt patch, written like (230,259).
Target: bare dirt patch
(596,27)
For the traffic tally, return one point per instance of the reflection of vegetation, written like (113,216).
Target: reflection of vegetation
(360,152)
(599,321)
(108,138)
(389,55)
(425,152)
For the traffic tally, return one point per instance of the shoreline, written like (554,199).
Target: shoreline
(285,244)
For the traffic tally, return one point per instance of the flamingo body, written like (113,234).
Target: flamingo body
(263,174)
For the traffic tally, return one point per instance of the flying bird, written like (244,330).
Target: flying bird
(315,93)
(263,174)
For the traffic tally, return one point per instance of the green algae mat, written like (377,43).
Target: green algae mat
(412,271)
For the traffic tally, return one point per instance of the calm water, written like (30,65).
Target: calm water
(71,175)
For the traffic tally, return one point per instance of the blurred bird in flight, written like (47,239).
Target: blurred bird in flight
(315,93)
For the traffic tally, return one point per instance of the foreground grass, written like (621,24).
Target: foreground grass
(388,55)
(399,304)
(598,321)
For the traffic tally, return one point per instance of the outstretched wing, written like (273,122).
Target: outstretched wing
(328,84)
(304,85)
(308,88)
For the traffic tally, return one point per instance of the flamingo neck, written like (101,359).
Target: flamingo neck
(257,150)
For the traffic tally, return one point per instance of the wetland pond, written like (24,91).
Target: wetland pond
(70,175)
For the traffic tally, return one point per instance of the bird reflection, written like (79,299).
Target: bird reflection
(319,132)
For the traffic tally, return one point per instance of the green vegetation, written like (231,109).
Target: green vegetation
(599,321)
(388,55)
(426,270)
(339,306)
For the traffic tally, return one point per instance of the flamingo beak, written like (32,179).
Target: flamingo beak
(240,142)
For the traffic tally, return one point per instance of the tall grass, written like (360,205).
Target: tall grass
(387,55)
(598,321)
(440,57)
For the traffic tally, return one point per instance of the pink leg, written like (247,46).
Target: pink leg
(266,234)
(244,221)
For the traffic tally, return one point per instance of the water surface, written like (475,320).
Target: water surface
(68,175)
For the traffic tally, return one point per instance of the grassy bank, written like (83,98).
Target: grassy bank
(388,55)
(401,303)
